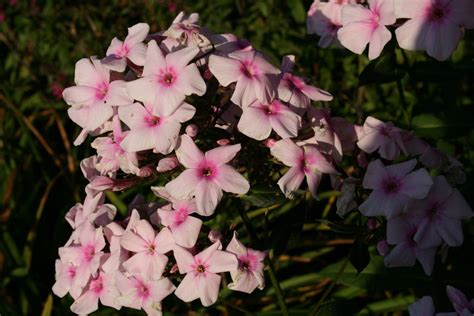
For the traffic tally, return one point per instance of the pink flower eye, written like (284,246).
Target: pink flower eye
(391,186)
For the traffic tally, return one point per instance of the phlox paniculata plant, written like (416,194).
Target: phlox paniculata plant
(434,26)
(206,116)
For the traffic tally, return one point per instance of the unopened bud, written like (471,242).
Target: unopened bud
(191,130)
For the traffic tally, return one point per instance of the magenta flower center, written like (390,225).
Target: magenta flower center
(142,290)
(153,120)
(151,248)
(71,272)
(207,171)
(180,216)
(96,285)
(167,76)
(88,252)
(101,91)
(392,186)
(123,51)
(248,69)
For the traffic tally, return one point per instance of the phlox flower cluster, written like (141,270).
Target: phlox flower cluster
(434,26)
(186,109)
(425,306)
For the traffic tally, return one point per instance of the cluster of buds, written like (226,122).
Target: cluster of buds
(434,26)
(234,103)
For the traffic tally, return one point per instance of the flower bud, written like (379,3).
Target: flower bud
(191,130)
(382,247)
(167,164)
(214,235)
(269,142)
(371,223)
(223,142)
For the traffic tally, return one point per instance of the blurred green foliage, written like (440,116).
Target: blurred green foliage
(40,41)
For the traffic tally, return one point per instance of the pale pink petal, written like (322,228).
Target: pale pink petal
(184,185)
(184,259)
(379,204)
(235,246)
(117,94)
(287,152)
(187,233)
(400,170)
(137,54)
(376,171)
(386,11)
(244,92)
(184,113)
(397,230)
(137,33)
(407,9)
(190,81)
(356,44)
(188,153)
(222,154)
(132,242)
(457,207)
(313,179)
(442,40)
(90,74)
(133,115)
(355,13)
(188,290)
(207,253)
(371,141)
(142,89)
(182,57)
(427,235)
(412,34)
(208,195)
(222,261)
(400,256)
(417,184)
(423,306)
(164,241)
(115,47)
(316,94)
(86,303)
(291,181)
(231,181)
(208,288)
(450,231)
(285,124)
(243,282)
(140,138)
(145,264)
(169,100)
(426,258)
(254,123)
(155,60)
(79,95)
(380,36)
(226,70)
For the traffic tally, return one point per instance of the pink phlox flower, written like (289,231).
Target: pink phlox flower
(86,254)
(103,288)
(460,302)
(139,292)
(384,137)
(259,119)
(93,96)
(256,78)
(362,26)
(184,228)
(304,162)
(167,80)
(393,187)
(148,248)
(295,91)
(400,232)
(151,129)
(324,19)
(202,279)
(441,211)
(67,280)
(249,274)
(207,175)
(131,48)
(434,26)
(111,155)
(422,307)
(184,31)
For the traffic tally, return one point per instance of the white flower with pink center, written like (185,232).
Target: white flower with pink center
(259,119)
(249,274)
(111,155)
(441,213)
(400,232)
(148,248)
(256,78)
(362,26)
(184,228)
(138,292)
(393,187)
(434,26)
(153,130)
(207,175)
(295,91)
(304,162)
(202,279)
(93,96)
(384,137)
(86,255)
(132,48)
(102,288)
(66,280)
(167,80)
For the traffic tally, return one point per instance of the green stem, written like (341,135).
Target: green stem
(270,270)
(330,287)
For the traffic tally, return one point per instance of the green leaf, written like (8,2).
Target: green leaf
(359,255)
(340,307)
(428,125)
(381,70)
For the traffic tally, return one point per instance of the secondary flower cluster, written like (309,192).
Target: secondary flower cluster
(135,100)
(434,26)
(425,305)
